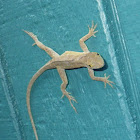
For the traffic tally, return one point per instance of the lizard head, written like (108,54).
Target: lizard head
(93,60)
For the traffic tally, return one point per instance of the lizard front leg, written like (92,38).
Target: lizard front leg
(103,79)
(63,76)
(87,36)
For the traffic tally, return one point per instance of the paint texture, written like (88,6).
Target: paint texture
(103,114)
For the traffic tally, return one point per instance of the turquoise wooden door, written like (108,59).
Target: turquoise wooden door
(103,113)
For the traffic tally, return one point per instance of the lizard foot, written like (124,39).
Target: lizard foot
(92,29)
(71,98)
(106,81)
(66,94)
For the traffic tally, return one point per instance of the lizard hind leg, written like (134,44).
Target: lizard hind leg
(48,50)
(63,76)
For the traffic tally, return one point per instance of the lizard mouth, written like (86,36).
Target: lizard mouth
(98,65)
(104,67)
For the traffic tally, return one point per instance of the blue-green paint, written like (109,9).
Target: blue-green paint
(103,114)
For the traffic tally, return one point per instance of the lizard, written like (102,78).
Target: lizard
(68,60)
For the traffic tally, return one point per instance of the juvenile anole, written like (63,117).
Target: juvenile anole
(68,60)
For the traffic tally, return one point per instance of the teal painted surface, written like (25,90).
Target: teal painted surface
(105,114)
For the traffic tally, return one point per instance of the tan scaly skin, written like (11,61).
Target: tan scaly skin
(68,60)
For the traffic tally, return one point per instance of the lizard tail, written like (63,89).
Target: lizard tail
(36,75)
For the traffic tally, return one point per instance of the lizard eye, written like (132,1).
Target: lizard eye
(97,54)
